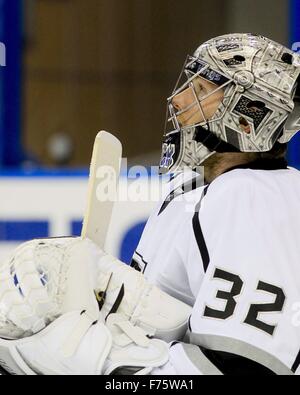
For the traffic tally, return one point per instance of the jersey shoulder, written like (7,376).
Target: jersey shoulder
(179,179)
(185,188)
(247,180)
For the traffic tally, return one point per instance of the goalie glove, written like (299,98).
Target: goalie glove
(40,282)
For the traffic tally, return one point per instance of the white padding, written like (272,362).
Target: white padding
(133,352)
(143,304)
(42,280)
(71,345)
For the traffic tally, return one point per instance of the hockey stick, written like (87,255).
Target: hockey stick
(102,187)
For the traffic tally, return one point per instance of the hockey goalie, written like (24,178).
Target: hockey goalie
(212,291)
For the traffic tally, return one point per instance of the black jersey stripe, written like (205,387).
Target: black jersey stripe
(296,363)
(199,234)
(134,262)
(200,241)
(189,186)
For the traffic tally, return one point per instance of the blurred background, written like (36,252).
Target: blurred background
(73,67)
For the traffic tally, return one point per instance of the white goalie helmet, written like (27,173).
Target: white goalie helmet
(259,81)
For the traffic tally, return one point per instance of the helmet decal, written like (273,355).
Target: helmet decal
(168,152)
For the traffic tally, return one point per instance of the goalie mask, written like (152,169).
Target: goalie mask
(237,93)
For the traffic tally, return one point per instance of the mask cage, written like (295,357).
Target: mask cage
(192,69)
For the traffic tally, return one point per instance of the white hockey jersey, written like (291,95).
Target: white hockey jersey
(235,257)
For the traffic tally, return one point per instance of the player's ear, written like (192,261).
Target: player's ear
(244,125)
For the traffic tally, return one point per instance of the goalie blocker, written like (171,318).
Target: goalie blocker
(52,323)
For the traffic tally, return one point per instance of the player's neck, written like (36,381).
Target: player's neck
(220,163)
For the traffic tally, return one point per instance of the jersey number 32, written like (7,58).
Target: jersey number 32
(254,310)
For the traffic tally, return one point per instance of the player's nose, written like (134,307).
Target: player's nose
(183,99)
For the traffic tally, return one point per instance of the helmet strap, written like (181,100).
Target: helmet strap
(212,142)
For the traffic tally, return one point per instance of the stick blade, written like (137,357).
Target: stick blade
(102,187)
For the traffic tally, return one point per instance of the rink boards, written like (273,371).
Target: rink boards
(51,204)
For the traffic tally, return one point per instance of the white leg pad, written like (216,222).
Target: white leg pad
(71,345)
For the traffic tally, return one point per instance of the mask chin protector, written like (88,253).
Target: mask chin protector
(171,149)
